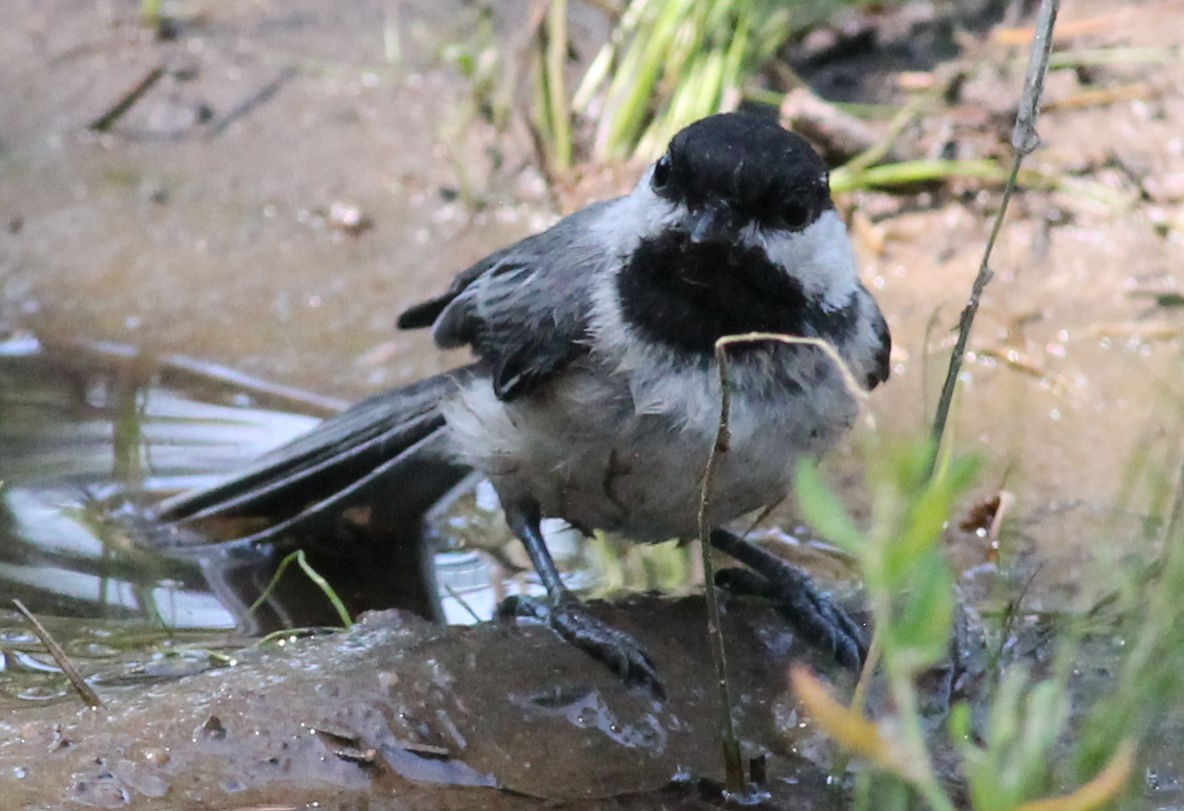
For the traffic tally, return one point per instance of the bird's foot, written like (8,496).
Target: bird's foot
(820,620)
(571,619)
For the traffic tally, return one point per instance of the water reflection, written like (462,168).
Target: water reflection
(83,430)
(92,435)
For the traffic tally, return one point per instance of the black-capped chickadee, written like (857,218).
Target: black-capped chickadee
(595,396)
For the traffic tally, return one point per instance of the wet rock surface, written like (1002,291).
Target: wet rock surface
(397,710)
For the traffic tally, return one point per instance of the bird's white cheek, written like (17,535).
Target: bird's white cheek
(635,217)
(820,257)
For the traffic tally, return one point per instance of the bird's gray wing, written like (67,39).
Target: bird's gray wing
(523,310)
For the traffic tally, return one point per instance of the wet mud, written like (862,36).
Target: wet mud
(398,711)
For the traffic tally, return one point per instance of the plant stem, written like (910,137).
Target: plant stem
(1023,140)
(557,105)
(733,765)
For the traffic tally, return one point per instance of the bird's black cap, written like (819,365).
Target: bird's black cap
(764,172)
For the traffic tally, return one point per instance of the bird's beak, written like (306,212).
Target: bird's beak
(714,222)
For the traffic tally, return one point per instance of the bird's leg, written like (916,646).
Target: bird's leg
(814,615)
(566,615)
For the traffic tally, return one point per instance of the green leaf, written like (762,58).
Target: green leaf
(920,631)
(926,518)
(825,513)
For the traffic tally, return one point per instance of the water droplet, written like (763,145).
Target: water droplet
(155,755)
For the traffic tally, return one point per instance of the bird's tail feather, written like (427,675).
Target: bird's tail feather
(390,447)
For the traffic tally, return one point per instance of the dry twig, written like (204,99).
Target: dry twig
(84,690)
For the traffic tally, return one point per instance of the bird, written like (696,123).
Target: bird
(594,391)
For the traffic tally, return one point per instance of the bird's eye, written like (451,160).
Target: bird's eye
(796,215)
(661,173)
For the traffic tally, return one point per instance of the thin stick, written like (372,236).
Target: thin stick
(456,595)
(849,381)
(84,690)
(733,764)
(259,97)
(126,101)
(1024,140)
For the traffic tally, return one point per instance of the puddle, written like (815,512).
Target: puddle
(83,430)
(88,436)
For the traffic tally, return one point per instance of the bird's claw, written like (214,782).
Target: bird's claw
(623,654)
(820,620)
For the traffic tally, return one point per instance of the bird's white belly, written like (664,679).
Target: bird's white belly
(585,454)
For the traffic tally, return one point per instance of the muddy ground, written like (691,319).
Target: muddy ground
(213,220)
